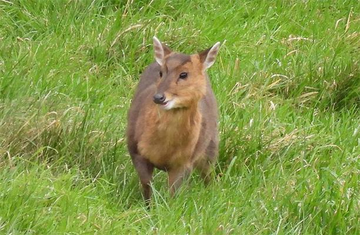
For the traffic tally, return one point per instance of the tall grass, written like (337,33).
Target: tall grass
(287,81)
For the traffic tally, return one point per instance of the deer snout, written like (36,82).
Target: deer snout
(159,98)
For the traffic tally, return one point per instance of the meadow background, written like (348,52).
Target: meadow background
(287,81)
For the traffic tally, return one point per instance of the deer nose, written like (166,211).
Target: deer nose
(159,98)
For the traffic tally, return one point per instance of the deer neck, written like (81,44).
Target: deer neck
(183,118)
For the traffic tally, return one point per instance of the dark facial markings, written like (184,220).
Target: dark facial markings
(176,60)
(170,70)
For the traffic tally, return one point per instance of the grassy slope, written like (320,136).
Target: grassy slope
(287,81)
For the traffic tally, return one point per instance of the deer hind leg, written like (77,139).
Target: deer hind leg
(206,164)
(145,170)
(176,177)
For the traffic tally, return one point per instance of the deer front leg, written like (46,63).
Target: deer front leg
(176,177)
(145,170)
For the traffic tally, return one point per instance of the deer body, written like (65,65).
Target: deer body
(172,121)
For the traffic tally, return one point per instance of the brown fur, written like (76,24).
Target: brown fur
(179,139)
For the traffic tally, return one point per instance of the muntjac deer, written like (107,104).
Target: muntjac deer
(172,121)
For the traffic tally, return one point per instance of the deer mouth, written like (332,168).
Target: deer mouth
(165,103)
(168,104)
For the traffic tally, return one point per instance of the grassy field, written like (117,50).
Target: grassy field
(287,80)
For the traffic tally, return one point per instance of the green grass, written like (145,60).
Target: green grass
(287,81)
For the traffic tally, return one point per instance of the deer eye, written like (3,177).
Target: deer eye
(160,73)
(183,75)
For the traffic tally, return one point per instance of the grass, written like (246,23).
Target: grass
(287,81)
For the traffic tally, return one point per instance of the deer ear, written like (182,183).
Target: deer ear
(161,51)
(208,56)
